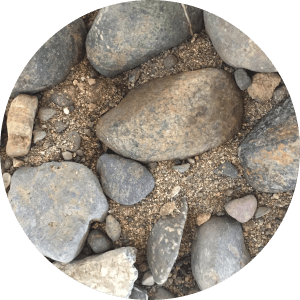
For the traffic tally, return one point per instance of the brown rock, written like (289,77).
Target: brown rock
(20,120)
(249,225)
(17,163)
(263,86)
(180,116)
(201,219)
(167,209)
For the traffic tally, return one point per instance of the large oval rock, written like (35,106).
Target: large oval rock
(270,152)
(218,251)
(177,116)
(112,272)
(163,244)
(234,47)
(55,203)
(54,60)
(125,35)
(124,180)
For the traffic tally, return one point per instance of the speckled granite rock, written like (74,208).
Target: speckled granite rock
(53,61)
(234,47)
(112,272)
(125,35)
(138,293)
(270,152)
(163,244)
(182,115)
(218,251)
(124,180)
(55,203)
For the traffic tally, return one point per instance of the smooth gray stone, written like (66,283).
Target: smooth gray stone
(242,79)
(62,100)
(163,244)
(270,152)
(182,168)
(38,135)
(234,47)
(138,293)
(67,155)
(125,35)
(124,180)
(162,293)
(218,251)
(46,113)
(51,64)
(55,204)
(227,169)
(113,228)
(99,241)
(261,211)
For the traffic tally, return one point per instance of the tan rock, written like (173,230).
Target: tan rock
(263,86)
(20,120)
(6,179)
(201,219)
(167,209)
(17,163)
(181,116)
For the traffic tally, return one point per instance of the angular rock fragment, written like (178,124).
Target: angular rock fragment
(227,169)
(62,99)
(46,113)
(38,135)
(148,279)
(261,211)
(242,79)
(138,293)
(113,228)
(99,241)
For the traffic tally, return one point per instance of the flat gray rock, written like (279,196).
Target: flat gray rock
(55,203)
(163,244)
(125,35)
(113,228)
(53,61)
(182,116)
(124,180)
(242,79)
(60,126)
(38,135)
(112,272)
(62,99)
(234,47)
(270,152)
(218,251)
(227,169)
(46,113)
(99,241)
(138,293)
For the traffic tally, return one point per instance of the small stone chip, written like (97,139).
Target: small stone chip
(175,191)
(148,279)
(67,155)
(201,219)
(6,179)
(167,208)
(261,211)
(17,163)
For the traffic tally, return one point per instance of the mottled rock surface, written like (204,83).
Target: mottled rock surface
(242,209)
(20,120)
(270,152)
(227,169)
(125,35)
(138,293)
(113,228)
(263,86)
(112,272)
(55,203)
(163,244)
(53,61)
(124,180)
(99,241)
(234,47)
(182,115)
(62,99)
(218,251)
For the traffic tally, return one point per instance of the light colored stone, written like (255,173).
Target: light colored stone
(17,163)
(20,120)
(167,208)
(38,135)
(175,191)
(261,211)
(148,279)
(67,155)
(242,209)
(201,219)
(113,228)
(112,272)
(6,179)
(263,86)
(182,168)
(46,113)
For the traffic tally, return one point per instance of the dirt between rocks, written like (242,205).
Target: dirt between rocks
(205,192)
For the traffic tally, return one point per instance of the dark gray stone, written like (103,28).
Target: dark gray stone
(138,293)
(170,61)
(60,126)
(134,75)
(227,169)
(125,35)
(163,244)
(55,204)
(62,99)
(75,140)
(53,61)
(218,251)
(124,180)
(162,293)
(99,241)
(242,79)
(234,47)
(46,113)
(270,152)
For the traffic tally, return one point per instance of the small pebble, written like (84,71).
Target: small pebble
(242,79)
(60,126)
(148,279)
(227,169)
(79,152)
(17,163)
(99,241)
(91,81)
(175,191)
(261,211)
(280,94)
(249,225)
(87,131)
(191,161)
(153,165)
(38,135)
(170,61)
(46,113)
(167,208)
(67,155)
(62,100)
(134,75)
(143,267)
(182,168)
(113,228)
(6,179)
(66,110)
(71,108)
(202,218)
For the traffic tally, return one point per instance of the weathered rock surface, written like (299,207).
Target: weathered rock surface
(53,61)
(20,120)
(263,86)
(234,47)
(227,169)
(162,293)
(46,113)
(112,272)
(62,99)
(55,203)
(124,180)
(125,35)
(242,209)
(99,241)
(138,293)
(181,116)
(242,79)
(218,251)
(113,228)
(270,152)
(163,244)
